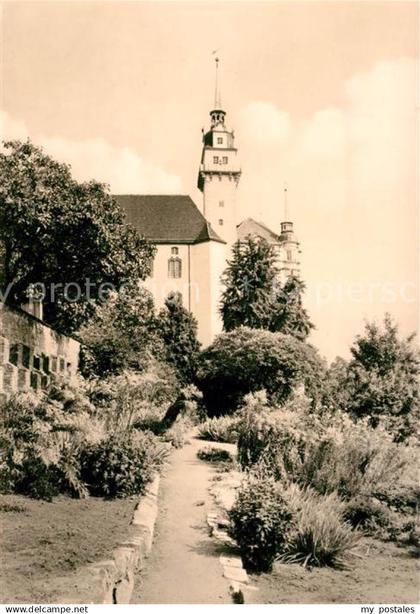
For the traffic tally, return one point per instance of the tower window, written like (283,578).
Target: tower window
(220,140)
(289,254)
(225,160)
(216,159)
(174,268)
(174,251)
(221,203)
(220,222)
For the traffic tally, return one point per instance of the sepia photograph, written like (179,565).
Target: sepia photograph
(209,283)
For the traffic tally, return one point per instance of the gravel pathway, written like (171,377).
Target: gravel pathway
(184,564)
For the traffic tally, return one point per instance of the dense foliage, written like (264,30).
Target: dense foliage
(71,237)
(328,453)
(178,329)
(122,334)
(249,281)
(380,382)
(270,521)
(334,469)
(247,360)
(289,315)
(254,297)
(224,429)
(61,441)
(260,521)
(122,465)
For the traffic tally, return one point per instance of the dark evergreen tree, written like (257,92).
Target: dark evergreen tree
(253,296)
(178,329)
(289,316)
(249,281)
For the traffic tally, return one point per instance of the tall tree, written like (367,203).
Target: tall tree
(254,297)
(122,334)
(289,315)
(69,238)
(178,329)
(249,282)
(382,379)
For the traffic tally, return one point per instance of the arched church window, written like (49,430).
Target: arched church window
(174,268)
(174,251)
(289,254)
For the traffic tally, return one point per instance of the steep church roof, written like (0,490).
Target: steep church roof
(252,227)
(166,218)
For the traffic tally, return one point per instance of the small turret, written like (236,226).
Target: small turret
(289,246)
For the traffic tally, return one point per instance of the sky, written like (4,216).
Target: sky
(323,98)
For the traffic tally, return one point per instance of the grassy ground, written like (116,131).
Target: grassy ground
(385,573)
(43,541)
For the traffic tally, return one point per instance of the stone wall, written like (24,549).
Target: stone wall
(31,353)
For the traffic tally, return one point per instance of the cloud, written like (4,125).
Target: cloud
(265,123)
(120,167)
(352,173)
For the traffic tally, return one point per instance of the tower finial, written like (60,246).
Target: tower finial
(286,205)
(217,97)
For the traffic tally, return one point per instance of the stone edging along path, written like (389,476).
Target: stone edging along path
(112,581)
(116,577)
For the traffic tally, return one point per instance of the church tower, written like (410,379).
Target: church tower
(289,247)
(219,172)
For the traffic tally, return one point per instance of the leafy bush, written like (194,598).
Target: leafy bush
(177,434)
(246,360)
(367,513)
(42,437)
(261,521)
(380,382)
(320,537)
(224,429)
(271,522)
(328,453)
(121,466)
(214,455)
(132,399)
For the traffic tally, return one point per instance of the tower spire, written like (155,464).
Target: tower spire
(286,205)
(217,96)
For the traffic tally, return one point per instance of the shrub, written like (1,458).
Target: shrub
(246,360)
(134,399)
(41,441)
(177,434)
(224,429)
(320,537)
(214,455)
(261,521)
(380,382)
(122,465)
(328,453)
(367,513)
(271,522)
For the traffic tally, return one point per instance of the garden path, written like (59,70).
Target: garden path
(184,566)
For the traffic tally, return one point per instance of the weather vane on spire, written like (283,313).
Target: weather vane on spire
(217,97)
